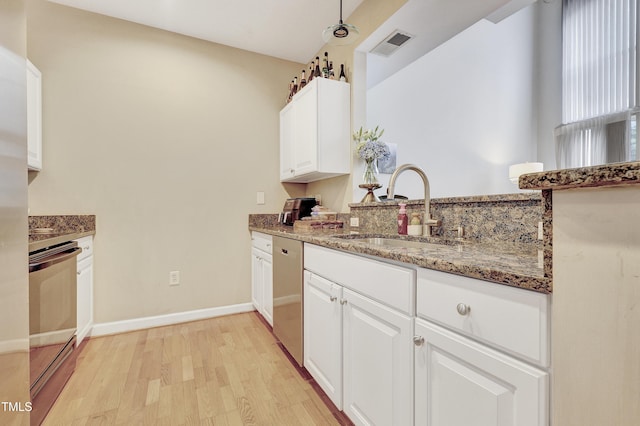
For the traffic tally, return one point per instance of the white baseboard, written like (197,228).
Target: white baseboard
(14,345)
(105,328)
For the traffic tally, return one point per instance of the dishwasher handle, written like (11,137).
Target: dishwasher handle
(54,259)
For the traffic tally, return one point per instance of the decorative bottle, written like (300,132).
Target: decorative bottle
(303,80)
(402,219)
(325,66)
(342,77)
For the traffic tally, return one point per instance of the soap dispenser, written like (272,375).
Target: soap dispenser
(402,219)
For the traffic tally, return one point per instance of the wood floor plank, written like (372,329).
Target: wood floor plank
(221,371)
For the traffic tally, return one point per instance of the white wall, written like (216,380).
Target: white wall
(465,111)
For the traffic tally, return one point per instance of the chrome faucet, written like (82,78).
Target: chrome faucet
(428,221)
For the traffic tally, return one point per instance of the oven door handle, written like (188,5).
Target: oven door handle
(55,259)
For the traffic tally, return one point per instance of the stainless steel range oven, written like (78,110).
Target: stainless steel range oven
(52,321)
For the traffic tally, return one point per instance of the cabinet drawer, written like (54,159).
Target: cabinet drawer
(261,241)
(86,243)
(511,319)
(388,284)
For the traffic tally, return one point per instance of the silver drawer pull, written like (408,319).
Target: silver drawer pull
(463,309)
(343,301)
(418,340)
(333,298)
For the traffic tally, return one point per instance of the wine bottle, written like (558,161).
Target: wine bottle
(342,76)
(295,86)
(310,73)
(316,71)
(325,65)
(290,91)
(303,80)
(332,75)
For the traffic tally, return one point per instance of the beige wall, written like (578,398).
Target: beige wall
(166,139)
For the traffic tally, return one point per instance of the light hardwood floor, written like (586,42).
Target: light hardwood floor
(222,371)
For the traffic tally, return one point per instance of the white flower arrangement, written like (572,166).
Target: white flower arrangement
(369,147)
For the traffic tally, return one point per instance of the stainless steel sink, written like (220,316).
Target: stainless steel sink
(393,242)
(396,242)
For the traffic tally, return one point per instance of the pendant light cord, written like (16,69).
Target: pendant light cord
(341,12)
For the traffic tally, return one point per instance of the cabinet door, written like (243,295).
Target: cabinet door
(84,308)
(306,131)
(323,334)
(34,117)
(267,288)
(378,362)
(287,141)
(459,382)
(256,280)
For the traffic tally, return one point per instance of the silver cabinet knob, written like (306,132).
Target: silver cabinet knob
(418,340)
(343,301)
(333,298)
(463,309)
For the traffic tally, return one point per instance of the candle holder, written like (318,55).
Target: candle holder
(370,197)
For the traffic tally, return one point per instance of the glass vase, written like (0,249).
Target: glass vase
(370,175)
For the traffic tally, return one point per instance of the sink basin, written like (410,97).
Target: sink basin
(393,242)
(390,241)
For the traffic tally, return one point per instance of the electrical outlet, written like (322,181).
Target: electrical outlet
(174,278)
(260,197)
(354,222)
(540,231)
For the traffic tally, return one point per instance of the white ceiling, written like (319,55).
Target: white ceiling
(292,29)
(287,29)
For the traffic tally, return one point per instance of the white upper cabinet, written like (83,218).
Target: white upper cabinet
(34,117)
(315,132)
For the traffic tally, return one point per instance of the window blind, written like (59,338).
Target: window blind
(599,58)
(599,81)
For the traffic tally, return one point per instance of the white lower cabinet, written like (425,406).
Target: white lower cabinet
(84,310)
(262,275)
(377,359)
(459,382)
(323,334)
(391,345)
(359,350)
(481,353)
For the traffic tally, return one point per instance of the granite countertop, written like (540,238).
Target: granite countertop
(46,231)
(516,265)
(613,174)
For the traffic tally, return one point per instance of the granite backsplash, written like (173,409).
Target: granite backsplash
(489,218)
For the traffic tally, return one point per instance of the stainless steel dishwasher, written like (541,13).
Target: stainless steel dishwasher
(287,295)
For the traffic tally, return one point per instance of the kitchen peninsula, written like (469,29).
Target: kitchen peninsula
(596,292)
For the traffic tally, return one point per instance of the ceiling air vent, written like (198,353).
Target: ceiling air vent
(392,43)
